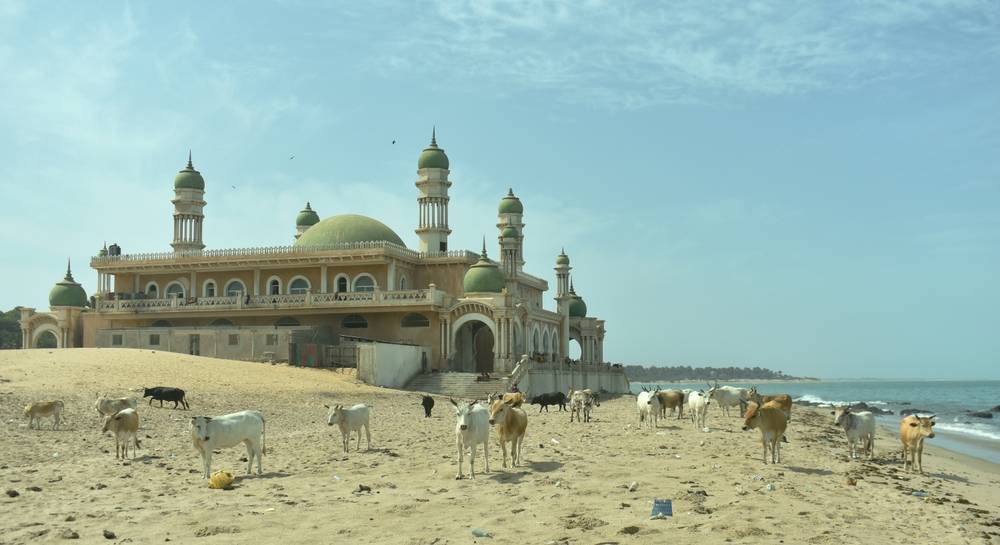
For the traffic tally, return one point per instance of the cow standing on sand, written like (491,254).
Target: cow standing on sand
(698,403)
(552,398)
(728,396)
(209,433)
(913,429)
(511,423)
(38,410)
(783,400)
(124,425)
(673,400)
(859,427)
(107,406)
(165,393)
(472,427)
(350,420)
(648,406)
(771,421)
(428,403)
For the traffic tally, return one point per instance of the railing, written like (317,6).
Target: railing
(283,301)
(273,251)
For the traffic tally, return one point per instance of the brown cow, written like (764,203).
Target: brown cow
(770,419)
(673,400)
(511,424)
(913,430)
(38,410)
(783,400)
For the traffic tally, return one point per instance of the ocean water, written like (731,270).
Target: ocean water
(949,400)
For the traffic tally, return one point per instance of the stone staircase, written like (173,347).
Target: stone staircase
(457,385)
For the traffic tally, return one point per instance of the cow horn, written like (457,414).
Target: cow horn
(453,402)
(931,416)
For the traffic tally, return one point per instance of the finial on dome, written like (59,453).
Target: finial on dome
(571,290)
(434,136)
(190,164)
(69,273)
(307,206)
(483,255)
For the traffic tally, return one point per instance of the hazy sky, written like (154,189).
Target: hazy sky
(807,188)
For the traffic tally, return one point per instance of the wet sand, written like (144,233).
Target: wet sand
(572,488)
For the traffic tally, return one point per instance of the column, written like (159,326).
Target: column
(322,278)
(256,282)
(390,280)
(193,292)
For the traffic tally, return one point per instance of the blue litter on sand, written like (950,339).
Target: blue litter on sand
(662,509)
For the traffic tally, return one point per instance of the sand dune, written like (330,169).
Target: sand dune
(572,488)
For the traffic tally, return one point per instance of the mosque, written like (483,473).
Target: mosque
(343,280)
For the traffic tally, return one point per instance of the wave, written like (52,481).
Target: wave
(809,398)
(969,429)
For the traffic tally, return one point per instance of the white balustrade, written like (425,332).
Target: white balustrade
(294,300)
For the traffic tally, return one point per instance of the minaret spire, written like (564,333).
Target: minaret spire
(190,164)
(434,143)
(484,247)
(69,273)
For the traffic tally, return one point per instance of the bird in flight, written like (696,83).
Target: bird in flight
(234,187)
(292,157)
(393,141)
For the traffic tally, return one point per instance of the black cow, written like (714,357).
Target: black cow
(428,403)
(165,393)
(553,398)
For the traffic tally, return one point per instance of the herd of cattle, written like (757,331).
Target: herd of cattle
(503,412)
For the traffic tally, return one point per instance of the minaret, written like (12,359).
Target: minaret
(433,184)
(510,214)
(563,299)
(189,193)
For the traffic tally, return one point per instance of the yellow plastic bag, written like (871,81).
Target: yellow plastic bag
(220,479)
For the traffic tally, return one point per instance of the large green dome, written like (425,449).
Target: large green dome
(67,293)
(189,178)
(577,308)
(307,217)
(433,156)
(510,204)
(346,229)
(562,258)
(484,277)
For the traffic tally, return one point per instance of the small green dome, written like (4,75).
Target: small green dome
(509,232)
(67,293)
(103,251)
(189,178)
(562,258)
(577,308)
(346,229)
(307,217)
(484,277)
(510,204)
(433,156)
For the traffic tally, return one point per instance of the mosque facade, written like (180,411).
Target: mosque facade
(343,279)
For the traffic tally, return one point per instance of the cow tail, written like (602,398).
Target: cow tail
(263,435)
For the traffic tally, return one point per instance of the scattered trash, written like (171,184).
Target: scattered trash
(364,488)
(13,493)
(108,534)
(479,532)
(558,484)
(706,429)
(851,481)
(701,444)
(770,487)
(677,456)
(336,477)
(633,486)
(70,534)
(555,441)
(35,488)
(757,477)
(920,494)
(662,509)
(269,509)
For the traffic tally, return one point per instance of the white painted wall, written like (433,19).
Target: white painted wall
(544,381)
(389,365)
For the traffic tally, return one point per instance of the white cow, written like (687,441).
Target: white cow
(729,396)
(859,426)
(349,420)
(216,432)
(649,408)
(107,406)
(471,429)
(698,409)
(581,402)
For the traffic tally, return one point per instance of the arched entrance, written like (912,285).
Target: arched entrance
(46,337)
(474,340)
(575,350)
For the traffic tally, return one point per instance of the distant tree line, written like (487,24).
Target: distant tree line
(10,330)
(638,373)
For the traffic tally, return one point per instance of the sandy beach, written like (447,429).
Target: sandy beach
(572,488)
